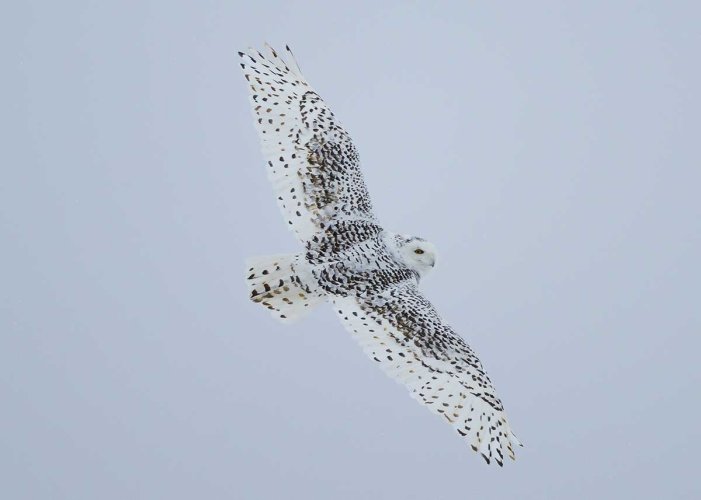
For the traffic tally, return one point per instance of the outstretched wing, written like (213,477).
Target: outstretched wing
(404,334)
(312,162)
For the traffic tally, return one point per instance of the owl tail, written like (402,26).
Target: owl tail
(283,284)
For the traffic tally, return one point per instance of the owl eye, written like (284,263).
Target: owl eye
(418,251)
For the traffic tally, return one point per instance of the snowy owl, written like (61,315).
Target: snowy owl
(370,275)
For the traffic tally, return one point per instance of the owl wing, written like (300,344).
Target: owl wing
(311,161)
(404,334)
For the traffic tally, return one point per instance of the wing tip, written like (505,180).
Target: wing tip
(285,65)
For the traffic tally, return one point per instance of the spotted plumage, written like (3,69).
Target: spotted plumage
(368,274)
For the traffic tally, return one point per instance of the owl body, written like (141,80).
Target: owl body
(362,264)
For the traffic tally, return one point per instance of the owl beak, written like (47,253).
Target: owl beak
(433,263)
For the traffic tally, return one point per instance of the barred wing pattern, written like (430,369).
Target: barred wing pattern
(312,162)
(403,333)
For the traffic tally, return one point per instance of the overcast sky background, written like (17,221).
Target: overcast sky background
(550,151)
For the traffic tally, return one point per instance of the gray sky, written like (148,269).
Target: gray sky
(550,151)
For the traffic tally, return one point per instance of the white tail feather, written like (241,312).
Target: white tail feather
(282,284)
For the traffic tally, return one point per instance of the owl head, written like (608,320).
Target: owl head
(417,253)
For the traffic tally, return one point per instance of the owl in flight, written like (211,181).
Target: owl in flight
(369,275)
